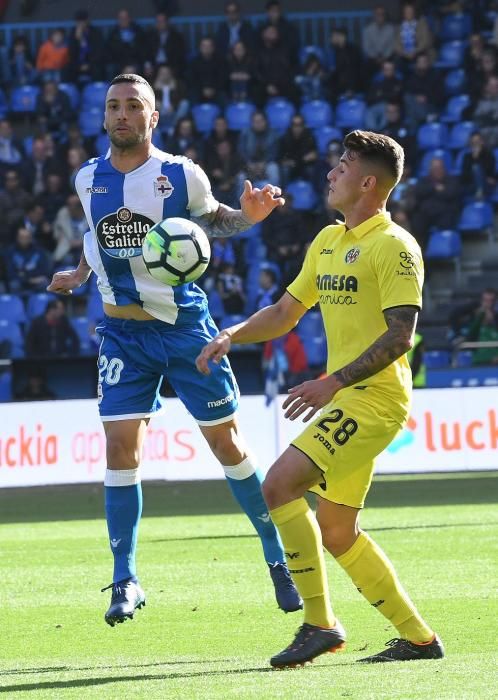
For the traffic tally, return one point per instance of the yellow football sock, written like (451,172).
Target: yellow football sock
(303,546)
(374,576)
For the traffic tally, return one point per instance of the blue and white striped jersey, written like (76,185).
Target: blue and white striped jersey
(120,208)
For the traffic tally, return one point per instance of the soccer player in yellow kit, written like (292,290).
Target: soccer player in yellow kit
(366,274)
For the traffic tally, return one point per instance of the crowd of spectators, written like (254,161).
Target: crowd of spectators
(392,69)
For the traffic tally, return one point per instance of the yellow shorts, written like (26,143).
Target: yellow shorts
(343,442)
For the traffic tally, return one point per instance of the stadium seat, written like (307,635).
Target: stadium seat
(316,113)
(204,115)
(72,92)
(476,216)
(4,108)
(254,250)
(454,108)
(11,331)
(93,96)
(238,115)
(437,359)
(216,308)
(37,303)
(91,121)
(316,351)
(455,27)
(433,135)
(460,135)
(279,113)
(23,99)
(94,309)
(324,135)
(310,326)
(102,144)
(464,358)
(5,386)
(458,162)
(81,325)
(311,50)
(455,82)
(450,55)
(304,196)
(429,156)
(446,245)
(350,114)
(12,308)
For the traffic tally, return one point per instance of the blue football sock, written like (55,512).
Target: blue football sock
(123,507)
(247,493)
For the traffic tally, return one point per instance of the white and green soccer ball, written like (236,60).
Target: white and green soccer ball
(176,251)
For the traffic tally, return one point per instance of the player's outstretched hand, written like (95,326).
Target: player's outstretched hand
(309,396)
(256,204)
(64,282)
(214,351)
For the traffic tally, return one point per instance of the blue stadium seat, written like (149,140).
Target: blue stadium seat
(254,250)
(458,162)
(238,115)
(444,244)
(304,196)
(350,114)
(94,309)
(450,55)
(316,113)
(102,144)
(437,359)
(310,326)
(23,99)
(91,121)
(11,331)
(324,135)
(460,135)
(455,82)
(455,26)
(311,50)
(464,358)
(316,351)
(5,386)
(12,308)
(93,95)
(476,216)
(81,325)
(4,107)
(454,108)
(204,115)
(37,303)
(72,92)
(279,113)
(433,135)
(429,156)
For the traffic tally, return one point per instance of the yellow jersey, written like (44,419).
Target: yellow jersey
(354,275)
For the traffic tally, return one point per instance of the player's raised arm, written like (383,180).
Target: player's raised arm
(270,322)
(255,205)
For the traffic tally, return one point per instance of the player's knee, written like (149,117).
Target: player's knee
(121,455)
(225,448)
(272,490)
(337,538)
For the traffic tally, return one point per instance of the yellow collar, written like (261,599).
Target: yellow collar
(367,225)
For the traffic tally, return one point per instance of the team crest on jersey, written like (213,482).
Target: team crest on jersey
(352,256)
(163,187)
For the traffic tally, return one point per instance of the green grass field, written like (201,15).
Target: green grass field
(211,622)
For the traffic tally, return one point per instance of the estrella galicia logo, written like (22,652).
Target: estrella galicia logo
(120,233)
(406,260)
(352,256)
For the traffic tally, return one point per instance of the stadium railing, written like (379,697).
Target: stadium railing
(313,27)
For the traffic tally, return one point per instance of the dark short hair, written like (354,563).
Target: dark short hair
(134,79)
(377,149)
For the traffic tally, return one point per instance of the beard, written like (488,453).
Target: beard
(126,141)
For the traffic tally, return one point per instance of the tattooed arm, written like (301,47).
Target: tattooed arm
(398,339)
(255,205)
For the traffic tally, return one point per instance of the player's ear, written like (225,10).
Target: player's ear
(154,118)
(369,183)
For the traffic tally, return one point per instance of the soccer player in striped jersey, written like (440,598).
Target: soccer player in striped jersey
(150,329)
(366,274)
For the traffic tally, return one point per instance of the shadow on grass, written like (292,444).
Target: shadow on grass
(74,669)
(85,501)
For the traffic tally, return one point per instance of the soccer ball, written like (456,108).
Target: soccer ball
(176,251)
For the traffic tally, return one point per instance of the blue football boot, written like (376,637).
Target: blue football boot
(288,598)
(127,596)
